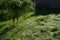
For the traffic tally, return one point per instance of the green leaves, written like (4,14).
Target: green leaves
(15,6)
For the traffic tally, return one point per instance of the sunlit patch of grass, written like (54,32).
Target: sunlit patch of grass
(25,16)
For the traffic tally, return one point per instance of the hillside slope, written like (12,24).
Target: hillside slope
(40,27)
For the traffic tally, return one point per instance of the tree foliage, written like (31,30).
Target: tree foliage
(8,7)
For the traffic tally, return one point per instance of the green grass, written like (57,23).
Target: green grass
(40,27)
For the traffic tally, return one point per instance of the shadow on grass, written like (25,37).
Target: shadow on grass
(2,26)
(6,30)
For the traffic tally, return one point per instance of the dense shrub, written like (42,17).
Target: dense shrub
(9,7)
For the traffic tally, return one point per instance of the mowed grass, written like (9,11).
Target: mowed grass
(40,27)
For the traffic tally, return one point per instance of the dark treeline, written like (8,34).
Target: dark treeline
(47,7)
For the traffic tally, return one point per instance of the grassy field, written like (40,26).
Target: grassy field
(41,27)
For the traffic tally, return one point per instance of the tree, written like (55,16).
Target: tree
(16,7)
